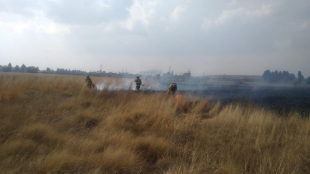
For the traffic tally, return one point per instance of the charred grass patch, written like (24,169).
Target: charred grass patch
(54,124)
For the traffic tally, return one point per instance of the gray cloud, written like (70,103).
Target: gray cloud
(79,12)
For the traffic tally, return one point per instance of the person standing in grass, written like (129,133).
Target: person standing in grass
(138,83)
(172,88)
(89,82)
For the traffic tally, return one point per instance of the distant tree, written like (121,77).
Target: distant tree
(267,75)
(9,68)
(308,80)
(5,68)
(291,77)
(300,76)
(280,76)
(32,69)
(17,68)
(276,73)
(276,76)
(285,76)
(48,69)
(23,68)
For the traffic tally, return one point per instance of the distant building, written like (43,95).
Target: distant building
(187,75)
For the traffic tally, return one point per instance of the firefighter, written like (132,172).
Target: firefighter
(89,82)
(172,88)
(138,83)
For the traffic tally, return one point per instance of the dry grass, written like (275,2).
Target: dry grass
(54,124)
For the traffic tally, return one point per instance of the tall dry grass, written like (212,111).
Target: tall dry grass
(54,124)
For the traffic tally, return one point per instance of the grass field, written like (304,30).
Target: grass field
(54,124)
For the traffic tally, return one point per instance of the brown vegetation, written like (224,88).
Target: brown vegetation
(54,124)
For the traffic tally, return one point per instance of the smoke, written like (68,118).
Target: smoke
(115,85)
(124,84)
(223,89)
(152,83)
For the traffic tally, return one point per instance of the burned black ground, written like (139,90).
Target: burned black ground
(283,100)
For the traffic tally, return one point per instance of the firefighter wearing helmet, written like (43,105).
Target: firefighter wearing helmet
(138,83)
(89,82)
(172,88)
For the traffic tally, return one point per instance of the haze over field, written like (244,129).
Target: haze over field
(207,37)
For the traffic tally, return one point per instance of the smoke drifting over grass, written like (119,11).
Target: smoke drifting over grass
(124,84)
(119,84)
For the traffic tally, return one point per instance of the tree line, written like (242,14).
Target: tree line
(33,69)
(284,76)
(62,71)
(65,71)
(23,68)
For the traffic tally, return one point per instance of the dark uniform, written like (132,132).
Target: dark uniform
(89,82)
(172,88)
(138,83)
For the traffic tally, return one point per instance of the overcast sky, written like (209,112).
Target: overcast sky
(233,37)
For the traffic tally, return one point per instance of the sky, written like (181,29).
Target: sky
(207,37)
